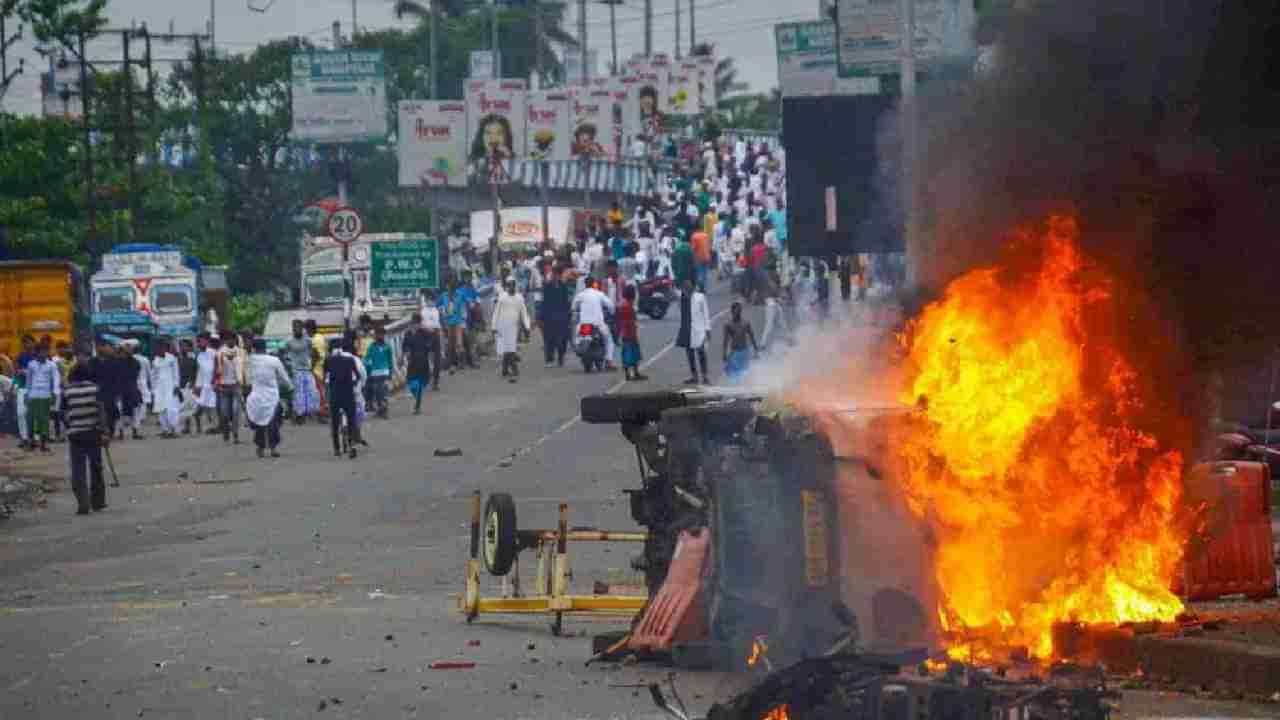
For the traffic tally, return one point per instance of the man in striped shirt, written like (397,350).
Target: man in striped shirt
(83,413)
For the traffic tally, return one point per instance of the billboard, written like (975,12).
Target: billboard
(548,125)
(433,143)
(870,34)
(706,83)
(806,57)
(682,92)
(495,117)
(521,226)
(593,125)
(339,96)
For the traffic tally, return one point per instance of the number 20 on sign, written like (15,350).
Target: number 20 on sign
(345,225)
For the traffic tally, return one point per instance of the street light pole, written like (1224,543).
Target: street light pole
(648,29)
(493,43)
(693,29)
(582,39)
(678,37)
(613,33)
(433,42)
(907,72)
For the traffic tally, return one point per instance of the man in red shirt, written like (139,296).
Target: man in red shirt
(629,332)
(759,253)
(701,243)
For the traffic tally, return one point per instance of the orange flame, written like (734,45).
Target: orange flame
(1025,457)
(778,713)
(758,650)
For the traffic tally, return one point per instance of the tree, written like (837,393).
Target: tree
(63,21)
(726,70)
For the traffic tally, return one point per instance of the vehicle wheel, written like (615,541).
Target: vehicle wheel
(498,534)
(657,311)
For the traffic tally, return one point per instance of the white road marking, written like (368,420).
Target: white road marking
(510,459)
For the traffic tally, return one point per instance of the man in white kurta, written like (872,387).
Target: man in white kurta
(266,374)
(144,386)
(206,393)
(165,380)
(509,316)
(591,306)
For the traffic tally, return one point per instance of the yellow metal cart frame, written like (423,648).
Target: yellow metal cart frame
(550,595)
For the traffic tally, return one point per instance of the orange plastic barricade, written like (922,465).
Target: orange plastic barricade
(677,613)
(1236,556)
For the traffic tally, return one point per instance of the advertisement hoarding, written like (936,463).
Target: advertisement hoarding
(548,125)
(806,58)
(682,93)
(339,96)
(432,143)
(521,226)
(593,125)
(626,102)
(496,117)
(706,83)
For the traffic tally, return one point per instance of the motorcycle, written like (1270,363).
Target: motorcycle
(654,296)
(588,343)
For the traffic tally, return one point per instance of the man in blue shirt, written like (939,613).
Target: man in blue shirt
(378,362)
(454,308)
(779,218)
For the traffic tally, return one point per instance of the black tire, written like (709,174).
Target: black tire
(636,408)
(657,310)
(498,534)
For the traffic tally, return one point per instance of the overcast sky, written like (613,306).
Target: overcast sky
(741,29)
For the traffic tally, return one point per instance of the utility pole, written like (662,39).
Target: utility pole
(493,43)
(339,160)
(648,29)
(911,209)
(354,27)
(135,207)
(213,22)
(7,41)
(537,43)
(582,38)
(613,33)
(434,50)
(693,29)
(337,34)
(90,240)
(678,38)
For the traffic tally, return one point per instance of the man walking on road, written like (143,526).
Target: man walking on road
(695,326)
(554,316)
(378,361)
(86,436)
(165,381)
(228,379)
(205,393)
(417,361)
(509,317)
(306,399)
(343,373)
(43,388)
(267,376)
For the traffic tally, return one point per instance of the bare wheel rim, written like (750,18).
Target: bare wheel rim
(491,523)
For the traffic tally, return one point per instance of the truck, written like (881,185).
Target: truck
(335,288)
(41,297)
(146,290)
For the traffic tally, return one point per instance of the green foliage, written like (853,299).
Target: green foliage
(249,311)
(61,21)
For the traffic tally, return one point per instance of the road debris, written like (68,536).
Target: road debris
(448,452)
(452,665)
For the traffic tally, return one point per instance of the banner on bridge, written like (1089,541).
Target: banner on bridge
(593,125)
(432,143)
(496,118)
(548,125)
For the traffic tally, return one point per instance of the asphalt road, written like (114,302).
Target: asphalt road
(218,585)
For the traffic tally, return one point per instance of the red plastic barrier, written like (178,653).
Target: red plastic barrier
(1237,556)
(677,613)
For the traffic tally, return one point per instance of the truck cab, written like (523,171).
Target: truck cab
(145,290)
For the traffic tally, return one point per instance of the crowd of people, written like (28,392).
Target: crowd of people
(719,216)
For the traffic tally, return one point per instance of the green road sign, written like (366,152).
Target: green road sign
(404,265)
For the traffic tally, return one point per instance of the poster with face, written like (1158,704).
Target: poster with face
(593,125)
(682,98)
(652,94)
(706,83)
(496,118)
(432,143)
(548,125)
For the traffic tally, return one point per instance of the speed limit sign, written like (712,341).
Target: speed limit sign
(345,225)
